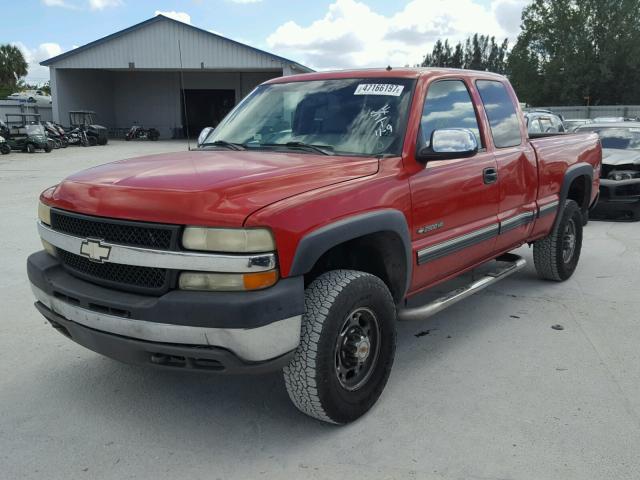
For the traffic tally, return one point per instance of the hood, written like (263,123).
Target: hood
(213,188)
(615,157)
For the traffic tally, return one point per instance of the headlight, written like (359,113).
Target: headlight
(623,175)
(227,282)
(44,213)
(231,240)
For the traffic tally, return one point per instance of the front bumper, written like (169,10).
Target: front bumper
(618,199)
(235,331)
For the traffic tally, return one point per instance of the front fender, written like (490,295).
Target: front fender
(315,244)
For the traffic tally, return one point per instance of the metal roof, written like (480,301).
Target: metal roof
(151,48)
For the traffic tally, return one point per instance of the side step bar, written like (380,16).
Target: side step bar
(513,262)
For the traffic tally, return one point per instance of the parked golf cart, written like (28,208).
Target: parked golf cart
(25,132)
(85,120)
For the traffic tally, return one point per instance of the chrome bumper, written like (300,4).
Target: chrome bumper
(249,344)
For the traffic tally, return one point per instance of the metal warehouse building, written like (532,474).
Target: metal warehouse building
(133,77)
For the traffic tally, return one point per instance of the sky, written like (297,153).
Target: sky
(322,34)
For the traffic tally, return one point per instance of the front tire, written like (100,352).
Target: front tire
(30,148)
(347,347)
(556,256)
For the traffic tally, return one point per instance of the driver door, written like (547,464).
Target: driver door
(454,202)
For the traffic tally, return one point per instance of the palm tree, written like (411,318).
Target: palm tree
(13,66)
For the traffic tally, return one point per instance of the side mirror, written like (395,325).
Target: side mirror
(449,143)
(203,135)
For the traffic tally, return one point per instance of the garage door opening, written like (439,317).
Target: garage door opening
(205,108)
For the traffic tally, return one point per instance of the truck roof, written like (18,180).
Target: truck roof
(404,72)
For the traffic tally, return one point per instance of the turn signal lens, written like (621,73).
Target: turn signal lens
(260,280)
(227,282)
(44,213)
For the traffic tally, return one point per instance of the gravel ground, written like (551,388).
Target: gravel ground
(484,390)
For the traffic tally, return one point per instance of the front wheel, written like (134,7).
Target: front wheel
(556,256)
(47,147)
(30,148)
(5,149)
(347,347)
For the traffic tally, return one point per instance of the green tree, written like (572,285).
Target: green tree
(13,66)
(479,52)
(571,50)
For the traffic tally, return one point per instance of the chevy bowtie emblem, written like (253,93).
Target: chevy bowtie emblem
(94,250)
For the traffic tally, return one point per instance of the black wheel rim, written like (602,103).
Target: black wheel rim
(569,241)
(357,349)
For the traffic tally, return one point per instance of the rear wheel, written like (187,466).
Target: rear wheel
(5,149)
(556,256)
(47,147)
(93,141)
(347,347)
(30,148)
(102,141)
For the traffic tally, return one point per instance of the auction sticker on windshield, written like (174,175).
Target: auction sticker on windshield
(379,89)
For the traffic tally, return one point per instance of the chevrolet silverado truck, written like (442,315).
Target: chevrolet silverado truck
(308,223)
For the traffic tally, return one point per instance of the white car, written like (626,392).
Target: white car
(37,97)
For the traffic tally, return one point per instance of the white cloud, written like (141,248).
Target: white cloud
(508,14)
(37,73)
(102,4)
(58,3)
(179,16)
(351,34)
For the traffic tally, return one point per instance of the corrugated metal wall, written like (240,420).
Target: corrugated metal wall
(155,46)
(14,107)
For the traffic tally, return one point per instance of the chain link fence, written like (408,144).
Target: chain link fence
(626,111)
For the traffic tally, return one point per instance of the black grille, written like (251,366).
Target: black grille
(146,280)
(148,235)
(125,277)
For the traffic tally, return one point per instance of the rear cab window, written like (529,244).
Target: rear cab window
(501,113)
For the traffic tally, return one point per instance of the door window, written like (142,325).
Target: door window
(501,112)
(447,105)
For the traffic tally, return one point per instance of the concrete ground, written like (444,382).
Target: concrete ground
(484,390)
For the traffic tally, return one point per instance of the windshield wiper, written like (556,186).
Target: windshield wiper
(323,149)
(224,144)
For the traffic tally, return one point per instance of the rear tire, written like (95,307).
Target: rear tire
(47,147)
(347,347)
(556,256)
(30,148)
(5,149)
(93,141)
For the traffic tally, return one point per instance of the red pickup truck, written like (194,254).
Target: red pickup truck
(306,224)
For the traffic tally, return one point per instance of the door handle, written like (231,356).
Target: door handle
(490,175)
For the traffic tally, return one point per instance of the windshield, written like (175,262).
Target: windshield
(618,138)
(346,116)
(34,129)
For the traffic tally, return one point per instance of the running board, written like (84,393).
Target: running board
(513,262)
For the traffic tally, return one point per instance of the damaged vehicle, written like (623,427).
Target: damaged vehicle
(620,175)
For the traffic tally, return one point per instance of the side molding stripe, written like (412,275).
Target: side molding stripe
(456,244)
(548,208)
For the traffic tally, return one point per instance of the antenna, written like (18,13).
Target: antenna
(184,97)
